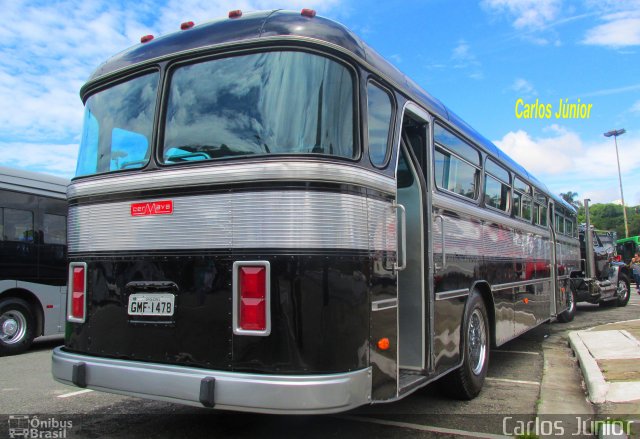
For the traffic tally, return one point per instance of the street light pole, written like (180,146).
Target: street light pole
(615,134)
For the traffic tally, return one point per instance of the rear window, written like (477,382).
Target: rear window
(259,104)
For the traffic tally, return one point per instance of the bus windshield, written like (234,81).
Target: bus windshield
(262,103)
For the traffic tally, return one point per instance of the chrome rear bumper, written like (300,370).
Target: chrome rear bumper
(285,394)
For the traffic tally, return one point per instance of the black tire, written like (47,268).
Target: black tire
(466,382)
(568,314)
(17,326)
(624,290)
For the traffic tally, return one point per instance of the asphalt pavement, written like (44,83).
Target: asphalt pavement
(534,377)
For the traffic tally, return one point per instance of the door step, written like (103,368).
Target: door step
(410,380)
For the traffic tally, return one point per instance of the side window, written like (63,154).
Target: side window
(379,121)
(18,225)
(55,229)
(559,223)
(568,227)
(456,164)
(543,210)
(521,199)
(540,209)
(497,186)
(526,208)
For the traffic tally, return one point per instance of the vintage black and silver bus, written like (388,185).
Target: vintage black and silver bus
(33,257)
(267,216)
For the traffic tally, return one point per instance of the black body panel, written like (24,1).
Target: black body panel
(319,310)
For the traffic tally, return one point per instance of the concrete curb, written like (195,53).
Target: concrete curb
(596,385)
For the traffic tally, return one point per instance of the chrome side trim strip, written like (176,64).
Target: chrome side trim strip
(454,294)
(520,284)
(228,173)
(379,305)
(282,394)
(446,202)
(273,219)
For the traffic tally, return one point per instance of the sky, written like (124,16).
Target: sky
(480,58)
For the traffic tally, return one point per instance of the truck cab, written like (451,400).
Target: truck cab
(601,278)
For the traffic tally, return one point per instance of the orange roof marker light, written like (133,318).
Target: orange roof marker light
(383,344)
(146,39)
(235,14)
(308,13)
(186,25)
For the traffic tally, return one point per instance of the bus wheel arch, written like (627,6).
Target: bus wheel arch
(466,381)
(483,288)
(33,301)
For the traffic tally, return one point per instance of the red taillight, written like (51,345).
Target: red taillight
(146,38)
(235,14)
(308,13)
(77,292)
(252,285)
(187,25)
(251,298)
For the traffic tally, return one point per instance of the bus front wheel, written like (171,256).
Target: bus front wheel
(466,382)
(17,326)
(624,290)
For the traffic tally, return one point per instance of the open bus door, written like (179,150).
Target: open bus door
(407,363)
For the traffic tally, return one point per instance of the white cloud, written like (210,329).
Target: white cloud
(523,87)
(635,108)
(525,13)
(621,29)
(463,58)
(564,161)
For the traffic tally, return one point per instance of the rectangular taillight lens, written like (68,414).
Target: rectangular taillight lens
(77,289)
(251,299)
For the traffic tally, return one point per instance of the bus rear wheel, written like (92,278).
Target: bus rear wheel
(17,326)
(568,314)
(466,382)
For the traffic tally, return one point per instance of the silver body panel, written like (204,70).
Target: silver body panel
(274,219)
(47,295)
(281,394)
(33,183)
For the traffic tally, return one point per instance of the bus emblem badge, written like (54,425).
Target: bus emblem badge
(164,207)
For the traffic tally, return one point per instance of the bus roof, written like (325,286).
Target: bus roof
(33,183)
(287,24)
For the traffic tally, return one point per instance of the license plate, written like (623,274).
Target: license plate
(151,304)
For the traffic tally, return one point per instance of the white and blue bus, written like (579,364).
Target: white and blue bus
(33,257)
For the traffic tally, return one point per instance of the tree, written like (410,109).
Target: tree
(610,217)
(569,198)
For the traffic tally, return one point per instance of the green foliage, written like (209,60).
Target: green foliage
(610,217)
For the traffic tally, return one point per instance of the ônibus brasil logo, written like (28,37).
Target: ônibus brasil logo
(31,427)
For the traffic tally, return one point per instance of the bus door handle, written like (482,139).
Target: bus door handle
(401,263)
(443,239)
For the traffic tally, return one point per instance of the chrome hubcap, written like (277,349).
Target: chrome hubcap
(13,327)
(570,302)
(477,336)
(622,290)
